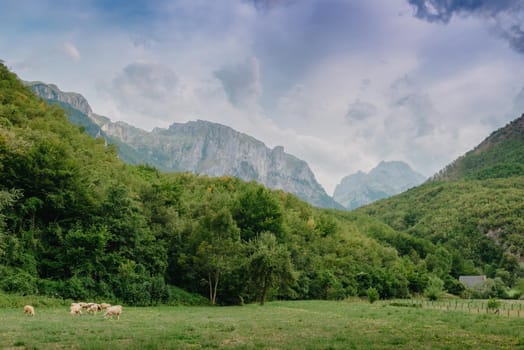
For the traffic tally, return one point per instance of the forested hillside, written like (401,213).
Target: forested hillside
(473,210)
(76,222)
(500,155)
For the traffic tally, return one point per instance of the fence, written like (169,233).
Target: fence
(507,308)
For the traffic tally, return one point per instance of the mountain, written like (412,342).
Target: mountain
(385,180)
(199,146)
(500,155)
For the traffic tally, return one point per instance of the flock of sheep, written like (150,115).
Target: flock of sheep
(91,308)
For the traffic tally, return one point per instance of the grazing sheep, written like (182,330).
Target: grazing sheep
(75,310)
(113,310)
(28,309)
(105,306)
(94,308)
(82,304)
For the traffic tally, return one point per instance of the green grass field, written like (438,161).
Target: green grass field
(277,325)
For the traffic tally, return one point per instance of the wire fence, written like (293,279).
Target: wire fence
(507,308)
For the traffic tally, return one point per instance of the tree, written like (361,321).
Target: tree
(257,211)
(269,264)
(7,199)
(218,251)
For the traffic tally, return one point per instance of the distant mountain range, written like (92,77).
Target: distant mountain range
(385,180)
(197,146)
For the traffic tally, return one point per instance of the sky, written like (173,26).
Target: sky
(341,84)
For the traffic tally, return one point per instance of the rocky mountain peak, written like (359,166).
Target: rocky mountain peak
(52,92)
(386,179)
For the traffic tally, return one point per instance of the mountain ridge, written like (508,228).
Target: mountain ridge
(201,147)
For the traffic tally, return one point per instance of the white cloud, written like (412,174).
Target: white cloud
(241,82)
(71,51)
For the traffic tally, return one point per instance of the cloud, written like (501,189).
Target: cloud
(507,15)
(151,81)
(443,10)
(71,51)
(144,89)
(409,101)
(241,82)
(269,4)
(359,110)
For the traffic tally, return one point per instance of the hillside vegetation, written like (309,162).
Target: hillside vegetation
(472,210)
(500,155)
(76,222)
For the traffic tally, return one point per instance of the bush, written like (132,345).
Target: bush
(372,294)
(336,291)
(435,288)
(491,288)
(15,280)
(493,303)
(178,296)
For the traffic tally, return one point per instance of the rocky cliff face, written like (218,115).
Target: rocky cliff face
(385,180)
(53,93)
(204,148)
(215,150)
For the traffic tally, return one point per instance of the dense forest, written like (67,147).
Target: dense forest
(76,222)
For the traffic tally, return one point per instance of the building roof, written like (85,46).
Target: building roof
(471,281)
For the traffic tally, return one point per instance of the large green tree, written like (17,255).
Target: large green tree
(269,265)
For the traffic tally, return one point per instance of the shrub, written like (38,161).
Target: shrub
(15,280)
(493,303)
(435,288)
(178,296)
(372,294)
(491,288)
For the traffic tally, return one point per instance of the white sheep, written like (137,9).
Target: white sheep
(113,310)
(104,306)
(87,305)
(93,308)
(28,309)
(82,304)
(75,310)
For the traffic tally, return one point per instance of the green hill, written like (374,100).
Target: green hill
(473,209)
(500,155)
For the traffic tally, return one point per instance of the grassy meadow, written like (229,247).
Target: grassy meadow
(277,325)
